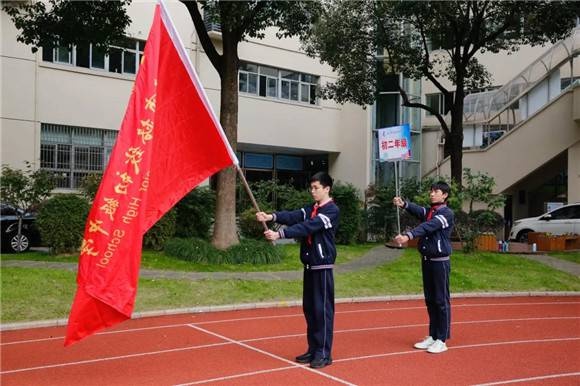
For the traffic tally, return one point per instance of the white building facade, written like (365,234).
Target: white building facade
(61,108)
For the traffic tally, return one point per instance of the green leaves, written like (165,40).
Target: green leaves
(64,23)
(27,188)
(422,39)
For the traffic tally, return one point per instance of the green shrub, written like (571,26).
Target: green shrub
(90,185)
(470,225)
(195,214)
(487,221)
(201,251)
(194,250)
(347,198)
(161,232)
(61,221)
(253,252)
(273,194)
(380,214)
(290,198)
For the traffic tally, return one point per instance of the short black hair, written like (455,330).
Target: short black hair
(324,179)
(443,187)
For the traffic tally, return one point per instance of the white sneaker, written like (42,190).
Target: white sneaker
(438,347)
(425,343)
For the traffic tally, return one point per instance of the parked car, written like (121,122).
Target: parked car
(564,220)
(30,236)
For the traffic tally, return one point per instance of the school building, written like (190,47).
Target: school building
(62,107)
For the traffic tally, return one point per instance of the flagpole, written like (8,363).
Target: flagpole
(250,194)
(398,194)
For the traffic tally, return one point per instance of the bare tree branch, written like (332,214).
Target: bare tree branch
(215,58)
(407,103)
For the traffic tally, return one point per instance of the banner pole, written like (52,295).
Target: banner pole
(398,194)
(249,192)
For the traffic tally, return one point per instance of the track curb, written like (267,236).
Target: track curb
(289,303)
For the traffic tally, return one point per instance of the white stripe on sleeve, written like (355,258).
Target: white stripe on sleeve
(326,221)
(443,221)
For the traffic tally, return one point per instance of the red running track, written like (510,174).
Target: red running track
(520,340)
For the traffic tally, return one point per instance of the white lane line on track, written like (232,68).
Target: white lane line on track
(538,378)
(383,310)
(240,375)
(314,371)
(414,325)
(414,351)
(463,347)
(280,337)
(113,358)
(285,316)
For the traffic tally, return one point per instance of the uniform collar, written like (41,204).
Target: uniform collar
(316,205)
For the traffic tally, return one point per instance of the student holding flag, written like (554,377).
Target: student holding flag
(435,249)
(316,226)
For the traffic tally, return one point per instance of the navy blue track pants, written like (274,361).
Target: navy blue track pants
(437,299)
(318,307)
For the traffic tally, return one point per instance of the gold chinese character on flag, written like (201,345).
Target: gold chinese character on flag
(87,248)
(150,103)
(134,156)
(146,130)
(126,180)
(110,207)
(95,226)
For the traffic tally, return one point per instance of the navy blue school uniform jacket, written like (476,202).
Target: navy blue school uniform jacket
(316,227)
(434,231)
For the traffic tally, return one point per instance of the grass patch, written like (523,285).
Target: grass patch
(290,260)
(40,256)
(574,257)
(478,272)
(37,294)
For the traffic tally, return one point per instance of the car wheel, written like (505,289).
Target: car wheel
(522,237)
(19,244)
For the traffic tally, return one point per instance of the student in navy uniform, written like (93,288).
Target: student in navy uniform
(435,248)
(316,226)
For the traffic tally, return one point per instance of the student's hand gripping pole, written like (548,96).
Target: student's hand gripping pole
(251,195)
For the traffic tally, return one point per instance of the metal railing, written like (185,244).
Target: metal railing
(496,112)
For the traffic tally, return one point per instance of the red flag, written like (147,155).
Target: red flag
(169,142)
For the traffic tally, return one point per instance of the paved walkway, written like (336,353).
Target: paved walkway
(559,264)
(375,257)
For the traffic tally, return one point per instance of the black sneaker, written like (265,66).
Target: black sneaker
(305,358)
(320,363)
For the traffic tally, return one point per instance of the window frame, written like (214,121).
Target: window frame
(60,154)
(137,49)
(290,85)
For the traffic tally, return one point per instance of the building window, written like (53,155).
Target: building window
(122,58)
(288,162)
(248,78)
(63,55)
(272,82)
(211,20)
(71,153)
(436,102)
(258,160)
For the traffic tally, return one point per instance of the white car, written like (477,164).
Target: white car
(565,219)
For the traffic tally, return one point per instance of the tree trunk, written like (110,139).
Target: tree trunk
(454,144)
(225,231)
